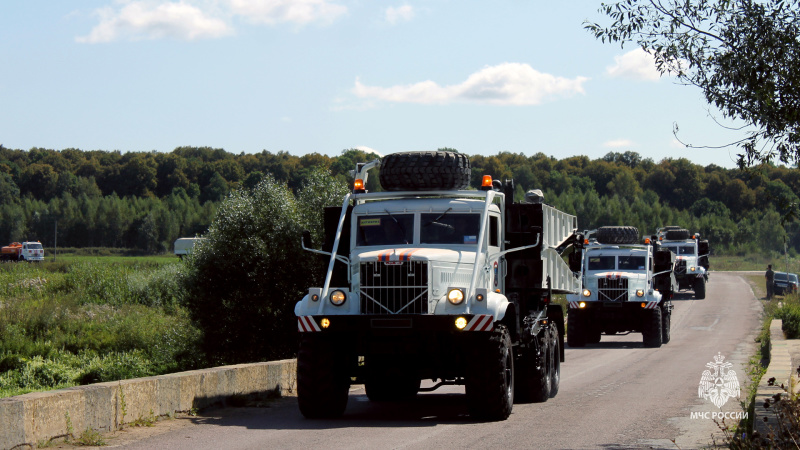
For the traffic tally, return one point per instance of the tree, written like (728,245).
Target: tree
(741,53)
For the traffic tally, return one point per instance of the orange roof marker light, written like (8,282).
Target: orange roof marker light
(486,184)
(358,186)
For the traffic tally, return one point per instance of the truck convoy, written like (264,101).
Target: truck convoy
(691,266)
(25,251)
(627,287)
(431,281)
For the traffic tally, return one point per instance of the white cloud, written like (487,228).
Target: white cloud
(199,19)
(394,15)
(636,64)
(617,143)
(300,12)
(504,84)
(155,20)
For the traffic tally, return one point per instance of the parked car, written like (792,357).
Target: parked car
(785,283)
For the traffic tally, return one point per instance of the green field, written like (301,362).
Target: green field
(85,319)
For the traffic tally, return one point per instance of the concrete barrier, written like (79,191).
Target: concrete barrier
(30,419)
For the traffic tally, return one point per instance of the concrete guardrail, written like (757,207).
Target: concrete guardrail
(30,419)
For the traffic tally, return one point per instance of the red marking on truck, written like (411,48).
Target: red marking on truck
(481,322)
(307,324)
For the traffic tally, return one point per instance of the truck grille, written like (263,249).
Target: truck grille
(394,287)
(612,289)
(680,267)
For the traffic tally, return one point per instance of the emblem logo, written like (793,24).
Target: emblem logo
(719,383)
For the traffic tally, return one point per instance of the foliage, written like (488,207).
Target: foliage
(740,53)
(242,284)
(58,329)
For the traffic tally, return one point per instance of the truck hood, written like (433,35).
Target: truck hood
(417,254)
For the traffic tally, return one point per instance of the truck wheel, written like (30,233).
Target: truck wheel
(424,171)
(617,235)
(575,333)
(535,370)
(700,288)
(555,373)
(679,234)
(651,334)
(323,383)
(490,377)
(593,336)
(389,383)
(666,318)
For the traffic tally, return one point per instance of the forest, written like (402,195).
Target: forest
(143,201)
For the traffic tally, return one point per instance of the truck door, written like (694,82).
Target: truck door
(496,265)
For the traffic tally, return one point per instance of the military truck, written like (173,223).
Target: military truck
(691,266)
(431,281)
(626,287)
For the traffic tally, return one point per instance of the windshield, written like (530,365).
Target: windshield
(782,276)
(387,229)
(601,263)
(682,249)
(34,246)
(449,228)
(631,263)
(793,277)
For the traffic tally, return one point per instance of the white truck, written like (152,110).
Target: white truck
(24,251)
(184,246)
(691,266)
(627,287)
(430,281)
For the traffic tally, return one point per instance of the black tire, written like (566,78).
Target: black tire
(617,235)
(700,288)
(671,227)
(323,383)
(576,336)
(679,234)
(651,334)
(555,374)
(489,382)
(534,370)
(390,382)
(424,171)
(593,337)
(666,319)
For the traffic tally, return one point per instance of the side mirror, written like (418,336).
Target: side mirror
(307,239)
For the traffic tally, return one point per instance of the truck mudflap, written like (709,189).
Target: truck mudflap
(450,323)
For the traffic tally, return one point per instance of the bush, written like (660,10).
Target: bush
(243,282)
(789,313)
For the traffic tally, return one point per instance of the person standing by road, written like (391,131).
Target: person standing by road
(770,276)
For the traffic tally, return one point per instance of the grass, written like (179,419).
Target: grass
(66,323)
(754,262)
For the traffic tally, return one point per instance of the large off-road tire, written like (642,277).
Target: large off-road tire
(424,171)
(617,235)
(699,288)
(489,382)
(390,382)
(555,373)
(323,383)
(576,334)
(651,334)
(535,370)
(666,319)
(593,335)
(679,234)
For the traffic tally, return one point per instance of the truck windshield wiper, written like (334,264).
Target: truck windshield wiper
(402,229)
(436,220)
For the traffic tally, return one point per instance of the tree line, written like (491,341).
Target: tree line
(145,200)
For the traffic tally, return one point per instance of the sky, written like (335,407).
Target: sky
(323,76)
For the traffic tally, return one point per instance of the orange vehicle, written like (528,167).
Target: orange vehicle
(25,251)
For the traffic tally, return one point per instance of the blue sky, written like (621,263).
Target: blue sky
(322,76)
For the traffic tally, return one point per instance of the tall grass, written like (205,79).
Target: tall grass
(64,324)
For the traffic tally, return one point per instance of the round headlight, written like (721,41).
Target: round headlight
(587,293)
(582,305)
(455,296)
(639,293)
(692,269)
(337,298)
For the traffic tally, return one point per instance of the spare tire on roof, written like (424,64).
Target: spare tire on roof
(617,235)
(424,171)
(671,227)
(678,234)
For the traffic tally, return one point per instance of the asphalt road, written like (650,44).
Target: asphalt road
(615,394)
